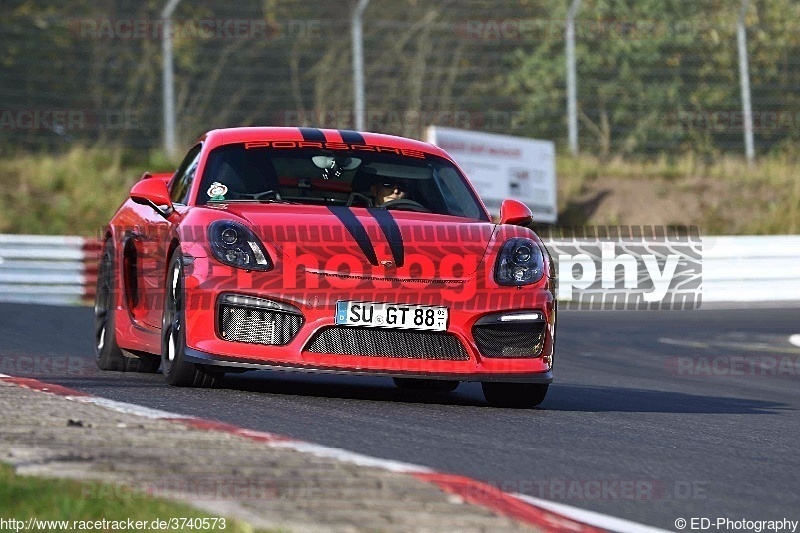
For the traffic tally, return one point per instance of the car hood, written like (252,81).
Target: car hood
(369,243)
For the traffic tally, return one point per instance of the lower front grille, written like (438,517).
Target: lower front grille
(376,342)
(257,326)
(510,340)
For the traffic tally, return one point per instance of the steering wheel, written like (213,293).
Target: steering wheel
(260,195)
(406,204)
(358,196)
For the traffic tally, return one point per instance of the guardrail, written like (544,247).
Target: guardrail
(751,269)
(63,270)
(48,269)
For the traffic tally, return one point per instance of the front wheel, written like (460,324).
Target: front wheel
(177,370)
(516,395)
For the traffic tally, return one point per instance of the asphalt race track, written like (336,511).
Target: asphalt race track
(653,416)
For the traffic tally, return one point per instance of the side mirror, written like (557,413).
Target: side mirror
(153,193)
(515,212)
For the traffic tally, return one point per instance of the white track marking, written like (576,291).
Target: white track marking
(795,340)
(746,346)
(4,376)
(351,457)
(610,523)
(681,342)
(755,347)
(127,408)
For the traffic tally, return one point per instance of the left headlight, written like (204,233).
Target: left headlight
(236,245)
(520,262)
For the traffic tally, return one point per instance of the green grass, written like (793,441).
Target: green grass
(739,199)
(25,497)
(76,192)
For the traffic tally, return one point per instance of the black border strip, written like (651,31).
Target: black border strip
(312,134)
(356,229)
(391,231)
(352,137)
(197,356)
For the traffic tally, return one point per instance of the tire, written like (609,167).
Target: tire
(108,354)
(178,371)
(515,395)
(439,385)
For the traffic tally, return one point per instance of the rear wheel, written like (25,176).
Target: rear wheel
(439,385)
(518,395)
(178,371)
(108,355)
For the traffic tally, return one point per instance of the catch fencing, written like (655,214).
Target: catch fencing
(61,270)
(648,77)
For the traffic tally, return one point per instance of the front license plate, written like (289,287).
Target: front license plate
(398,316)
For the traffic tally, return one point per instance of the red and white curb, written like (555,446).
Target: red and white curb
(537,512)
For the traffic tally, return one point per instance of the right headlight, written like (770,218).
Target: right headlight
(520,262)
(236,245)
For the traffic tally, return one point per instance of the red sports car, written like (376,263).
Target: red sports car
(325,251)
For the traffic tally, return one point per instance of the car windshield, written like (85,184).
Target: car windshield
(380,177)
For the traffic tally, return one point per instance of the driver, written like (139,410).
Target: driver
(386,190)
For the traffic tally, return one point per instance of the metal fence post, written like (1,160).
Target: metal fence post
(358,64)
(572,90)
(170,144)
(744,77)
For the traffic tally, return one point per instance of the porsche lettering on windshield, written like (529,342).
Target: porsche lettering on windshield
(335,146)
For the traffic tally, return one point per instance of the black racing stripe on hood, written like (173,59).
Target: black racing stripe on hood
(352,137)
(357,230)
(391,231)
(312,134)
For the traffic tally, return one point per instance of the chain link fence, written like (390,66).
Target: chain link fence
(654,77)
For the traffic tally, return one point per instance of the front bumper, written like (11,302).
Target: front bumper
(199,357)
(469,303)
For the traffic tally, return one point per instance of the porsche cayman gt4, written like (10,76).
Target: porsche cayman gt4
(325,251)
